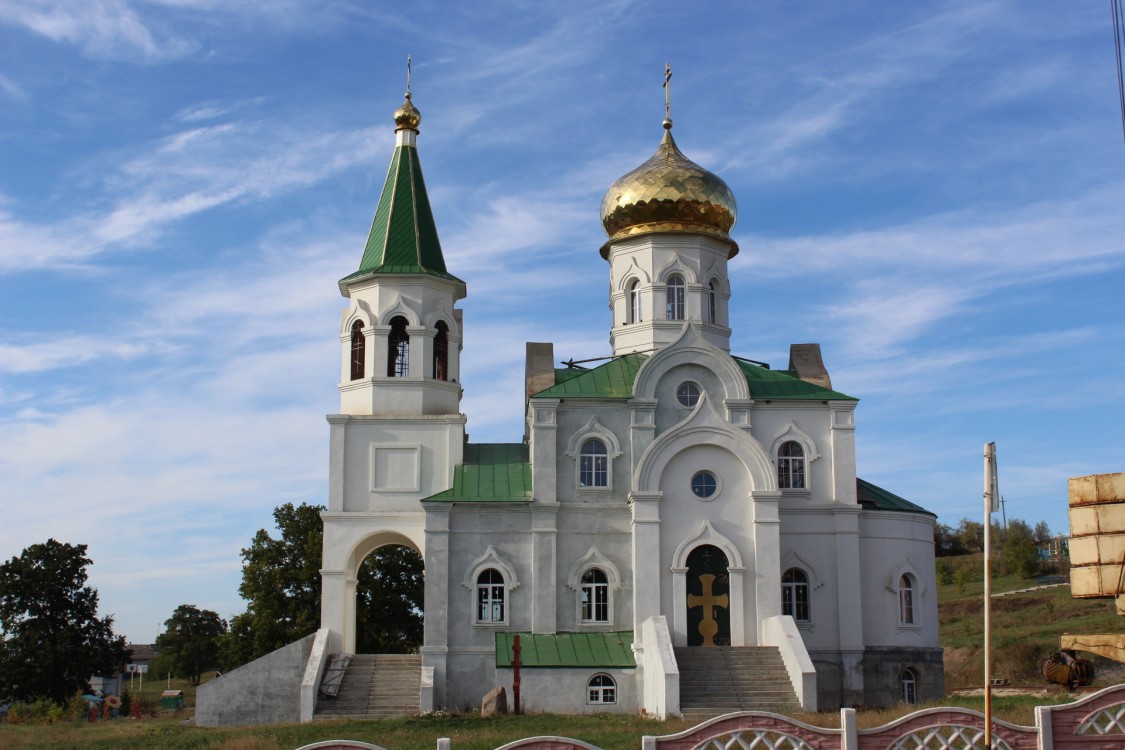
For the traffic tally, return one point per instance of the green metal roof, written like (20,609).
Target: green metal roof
(784,385)
(403,237)
(492,472)
(615,379)
(604,650)
(877,498)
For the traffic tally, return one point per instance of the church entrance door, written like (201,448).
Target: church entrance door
(708,597)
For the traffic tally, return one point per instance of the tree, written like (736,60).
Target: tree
(1019,550)
(53,640)
(281,583)
(389,594)
(190,642)
(1042,533)
(971,535)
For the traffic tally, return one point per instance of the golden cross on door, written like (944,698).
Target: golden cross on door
(708,627)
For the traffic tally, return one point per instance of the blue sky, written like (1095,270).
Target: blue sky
(935,192)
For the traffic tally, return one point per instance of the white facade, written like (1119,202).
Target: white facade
(669,460)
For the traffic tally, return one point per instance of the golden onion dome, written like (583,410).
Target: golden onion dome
(407,116)
(669,193)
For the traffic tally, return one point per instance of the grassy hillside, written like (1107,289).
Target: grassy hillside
(1025,628)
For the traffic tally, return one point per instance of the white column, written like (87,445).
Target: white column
(766,531)
(647,570)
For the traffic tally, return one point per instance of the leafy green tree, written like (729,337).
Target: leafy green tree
(971,536)
(281,584)
(53,640)
(389,595)
(189,644)
(1019,549)
(1042,533)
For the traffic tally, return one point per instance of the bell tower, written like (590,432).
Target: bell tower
(399,433)
(401,335)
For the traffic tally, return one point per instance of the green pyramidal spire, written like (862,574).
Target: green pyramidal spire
(403,237)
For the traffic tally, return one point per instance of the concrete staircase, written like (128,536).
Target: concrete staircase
(719,680)
(375,686)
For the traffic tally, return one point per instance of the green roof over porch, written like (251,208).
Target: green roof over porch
(597,650)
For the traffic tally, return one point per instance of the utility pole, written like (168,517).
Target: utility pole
(1004,512)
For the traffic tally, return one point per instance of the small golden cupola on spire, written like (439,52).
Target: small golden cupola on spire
(407,117)
(669,193)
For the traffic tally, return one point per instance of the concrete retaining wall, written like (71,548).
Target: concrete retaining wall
(265,691)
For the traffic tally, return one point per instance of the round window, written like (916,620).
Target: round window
(688,394)
(704,484)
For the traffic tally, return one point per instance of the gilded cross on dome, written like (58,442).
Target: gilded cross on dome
(667,95)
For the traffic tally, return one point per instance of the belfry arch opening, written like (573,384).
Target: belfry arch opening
(389,591)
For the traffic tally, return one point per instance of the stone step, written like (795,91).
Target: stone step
(715,681)
(376,686)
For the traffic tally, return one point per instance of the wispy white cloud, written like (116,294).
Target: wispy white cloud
(185,174)
(109,29)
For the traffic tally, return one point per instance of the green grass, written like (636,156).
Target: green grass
(1025,628)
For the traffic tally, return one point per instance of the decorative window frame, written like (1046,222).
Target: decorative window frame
(593,429)
(634,301)
(918,592)
(791,433)
(601,690)
(594,559)
(490,559)
(793,559)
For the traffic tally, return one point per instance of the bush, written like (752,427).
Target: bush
(944,572)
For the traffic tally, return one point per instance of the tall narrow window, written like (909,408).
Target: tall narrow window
(593,464)
(711,317)
(791,466)
(795,595)
(906,600)
(359,350)
(909,687)
(490,596)
(635,302)
(398,349)
(441,352)
(595,596)
(674,309)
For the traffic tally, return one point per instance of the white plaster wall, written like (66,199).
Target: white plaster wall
(808,541)
(813,419)
(562,690)
(891,543)
(434,443)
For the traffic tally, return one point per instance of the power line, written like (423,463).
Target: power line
(1115,8)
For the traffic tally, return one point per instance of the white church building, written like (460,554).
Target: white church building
(671,495)
(667,506)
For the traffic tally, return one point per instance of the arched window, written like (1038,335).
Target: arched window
(795,595)
(909,682)
(711,316)
(594,596)
(359,350)
(593,464)
(791,466)
(634,302)
(398,349)
(441,351)
(490,596)
(674,310)
(906,599)
(601,690)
